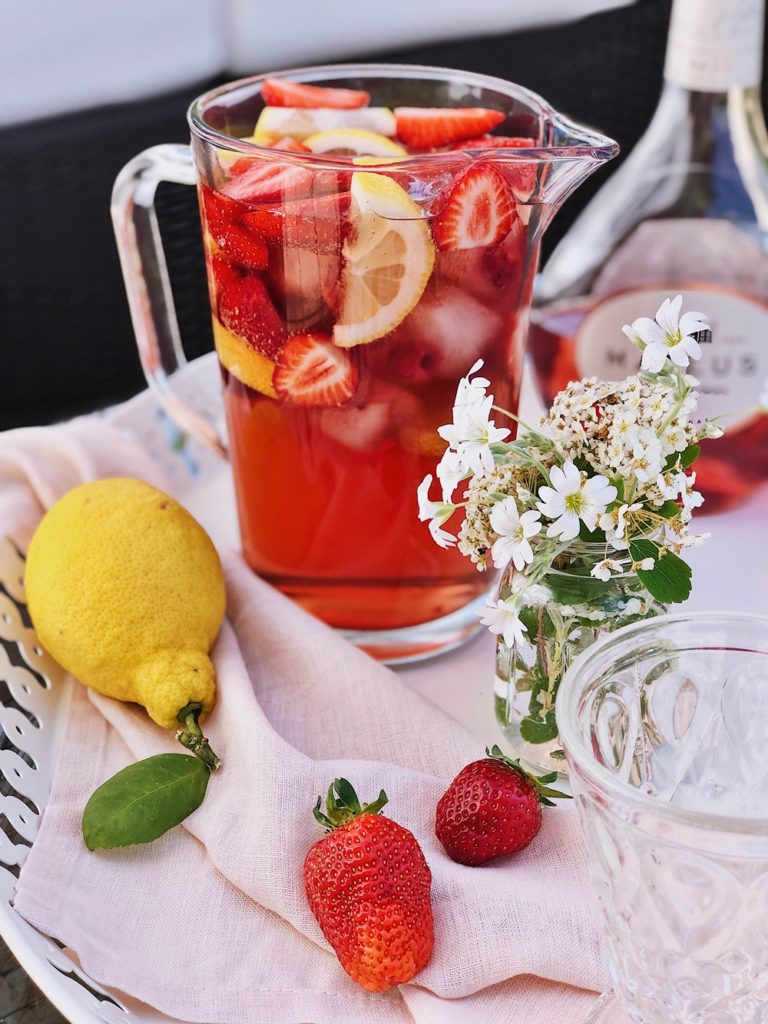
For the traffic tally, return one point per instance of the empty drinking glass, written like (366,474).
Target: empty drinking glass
(665,726)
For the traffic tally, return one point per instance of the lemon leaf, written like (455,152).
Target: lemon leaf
(144,800)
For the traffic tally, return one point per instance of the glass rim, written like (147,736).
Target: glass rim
(590,143)
(600,777)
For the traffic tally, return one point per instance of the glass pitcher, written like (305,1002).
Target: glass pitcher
(347,300)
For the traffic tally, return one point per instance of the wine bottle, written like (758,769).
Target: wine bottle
(686,213)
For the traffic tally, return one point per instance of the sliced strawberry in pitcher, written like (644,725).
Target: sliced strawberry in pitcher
(289,145)
(243,247)
(521,176)
(246,309)
(311,370)
(223,271)
(255,181)
(220,211)
(425,127)
(496,142)
(222,218)
(479,211)
(305,223)
(277,92)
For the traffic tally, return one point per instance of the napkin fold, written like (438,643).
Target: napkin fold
(210,923)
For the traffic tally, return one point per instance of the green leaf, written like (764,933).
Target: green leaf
(144,800)
(347,796)
(668,510)
(538,730)
(689,455)
(669,581)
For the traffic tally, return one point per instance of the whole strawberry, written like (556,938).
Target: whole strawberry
(368,885)
(491,809)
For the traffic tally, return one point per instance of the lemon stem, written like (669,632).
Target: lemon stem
(193,739)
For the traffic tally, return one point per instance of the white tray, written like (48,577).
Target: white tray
(31,709)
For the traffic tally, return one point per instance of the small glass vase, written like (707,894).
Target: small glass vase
(564,613)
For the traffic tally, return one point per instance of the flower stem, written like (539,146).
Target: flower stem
(193,739)
(682,394)
(512,416)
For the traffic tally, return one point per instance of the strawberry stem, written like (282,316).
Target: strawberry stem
(193,739)
(540,783)
(342,805)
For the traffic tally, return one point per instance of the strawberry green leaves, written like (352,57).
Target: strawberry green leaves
(144,800)
(342,805)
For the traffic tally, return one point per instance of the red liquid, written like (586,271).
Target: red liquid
(327,495)
(728,469)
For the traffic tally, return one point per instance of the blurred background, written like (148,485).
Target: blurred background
(86,85)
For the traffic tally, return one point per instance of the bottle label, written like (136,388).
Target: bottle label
(733,365)
(715,44)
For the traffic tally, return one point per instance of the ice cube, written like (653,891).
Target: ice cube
(299,280)
(372,419)
(442,337)
(489,271)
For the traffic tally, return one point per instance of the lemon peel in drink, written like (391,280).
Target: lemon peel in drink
(388,260)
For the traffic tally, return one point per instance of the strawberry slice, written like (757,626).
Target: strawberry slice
(311,370)
(289,144)
(223,272)
(277,92)
(244,248)
(480,210)
(222,216)
(521,176)
(220,211)
(246,309)
(425,127)
(496,142)
(266,181)
(305,223)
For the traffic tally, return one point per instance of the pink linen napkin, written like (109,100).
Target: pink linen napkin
(210,923)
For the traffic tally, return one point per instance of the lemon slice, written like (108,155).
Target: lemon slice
(227,156)
(243,361)
(388,260)
(375,161)
(354,140)
(299,122)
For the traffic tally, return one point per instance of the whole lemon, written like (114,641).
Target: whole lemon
(126,592)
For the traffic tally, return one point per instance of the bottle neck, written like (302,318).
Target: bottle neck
(715,46)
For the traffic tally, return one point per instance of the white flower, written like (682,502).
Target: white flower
(536,594)
(621,517)
(472,435)
(502,618)
(633,606)
(605,569)
(439,510)
(634,337)
(571,500)
(645,564)
(450,471)
(514,530)
(712,430)
(647,457)
(669,334)
(470,392)
(763,399)
(441,537)
(671,485)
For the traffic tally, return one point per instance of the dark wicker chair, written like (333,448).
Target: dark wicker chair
(65,335)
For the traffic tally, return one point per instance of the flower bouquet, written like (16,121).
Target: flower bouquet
(586,514)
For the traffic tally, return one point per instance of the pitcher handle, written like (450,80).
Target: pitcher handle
(147,284)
